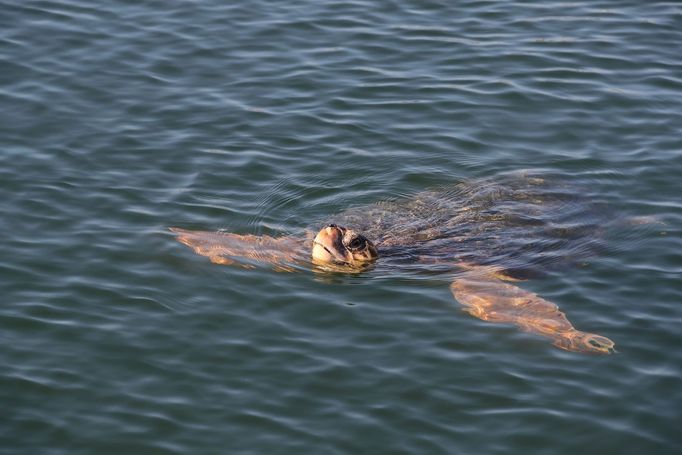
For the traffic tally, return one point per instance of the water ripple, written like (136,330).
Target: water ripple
(121,119)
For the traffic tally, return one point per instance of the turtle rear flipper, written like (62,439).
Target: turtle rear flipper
(490,299)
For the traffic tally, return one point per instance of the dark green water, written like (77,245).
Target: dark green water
(121,118)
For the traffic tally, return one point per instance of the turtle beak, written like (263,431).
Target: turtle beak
(328,245)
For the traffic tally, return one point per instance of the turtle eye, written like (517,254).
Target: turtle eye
(356,243)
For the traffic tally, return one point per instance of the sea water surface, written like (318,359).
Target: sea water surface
(121,118)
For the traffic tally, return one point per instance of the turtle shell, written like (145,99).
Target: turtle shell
(522,223)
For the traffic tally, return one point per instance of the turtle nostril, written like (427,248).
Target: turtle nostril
(332,225)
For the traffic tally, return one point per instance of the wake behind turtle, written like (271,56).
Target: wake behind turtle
(482,235)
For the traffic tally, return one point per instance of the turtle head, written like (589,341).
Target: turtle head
(338,246)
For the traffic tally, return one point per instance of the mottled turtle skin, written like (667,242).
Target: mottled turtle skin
(482,235)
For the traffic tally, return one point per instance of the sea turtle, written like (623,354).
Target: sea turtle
(483,235)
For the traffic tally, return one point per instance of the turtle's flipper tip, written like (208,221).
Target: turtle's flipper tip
(599,345)
(587,343)
(181,235)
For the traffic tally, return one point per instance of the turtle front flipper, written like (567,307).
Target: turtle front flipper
(243,250)
(490,299)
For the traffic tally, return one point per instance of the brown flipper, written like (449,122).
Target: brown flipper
(487,297)
(227,249)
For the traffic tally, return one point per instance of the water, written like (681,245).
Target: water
(120,119)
